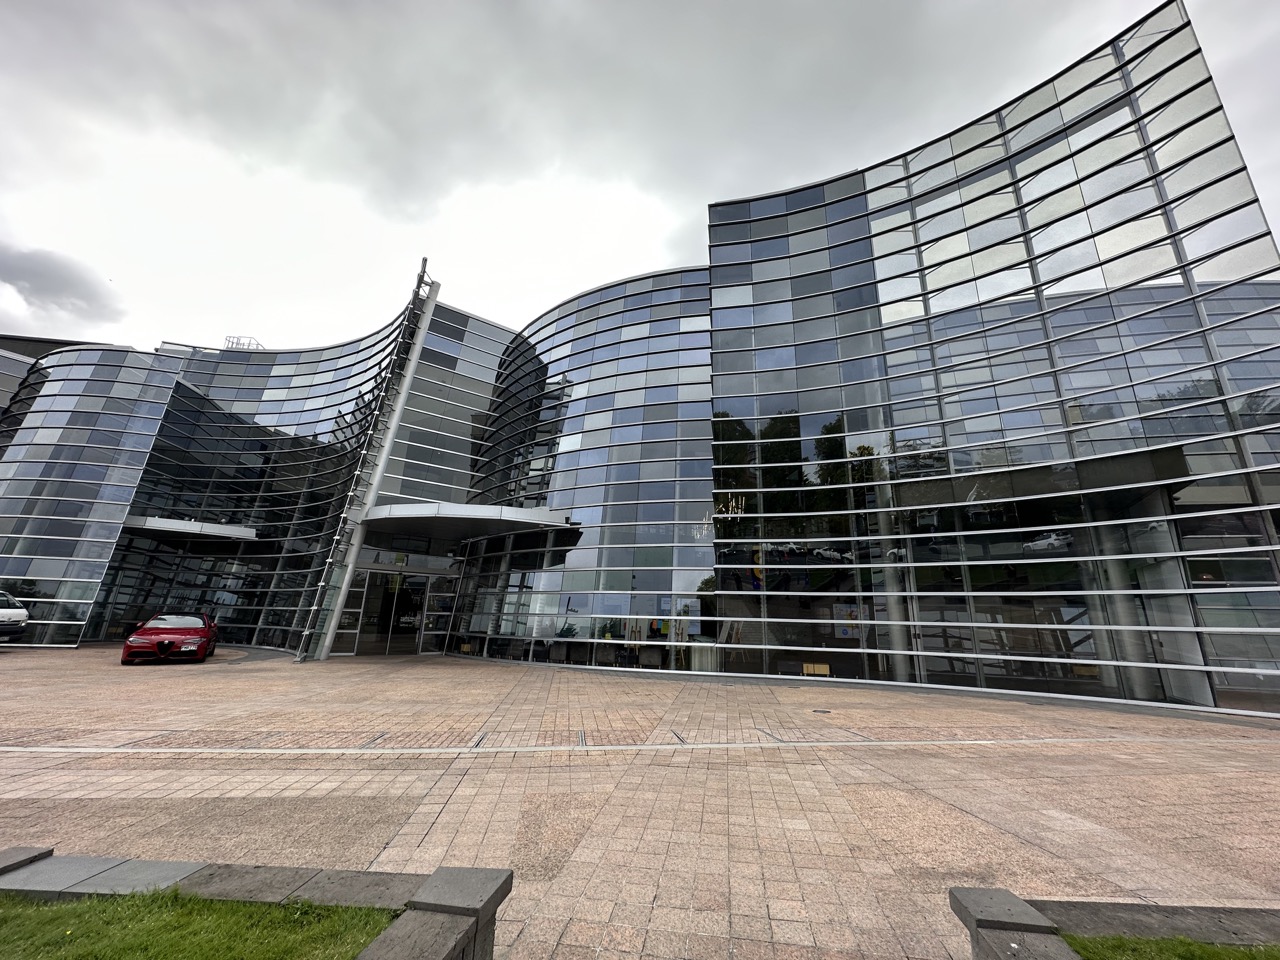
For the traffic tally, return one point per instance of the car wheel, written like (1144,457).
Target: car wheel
(203,657)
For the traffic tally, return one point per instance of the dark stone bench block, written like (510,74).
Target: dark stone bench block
(233,881)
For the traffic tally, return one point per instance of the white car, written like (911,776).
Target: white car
(13,617)
(1049,541)
(826,553)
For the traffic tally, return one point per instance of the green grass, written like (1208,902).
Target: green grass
(169,925)
(1136,948)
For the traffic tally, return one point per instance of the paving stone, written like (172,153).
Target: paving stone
(357,888)
(911,792)
(48,877)
(233,881)
(136,876)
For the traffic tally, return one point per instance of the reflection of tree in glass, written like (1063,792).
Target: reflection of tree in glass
(833,470)
(706,591)
(781,456)
(735,456)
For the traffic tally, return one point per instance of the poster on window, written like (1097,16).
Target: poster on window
(843,616)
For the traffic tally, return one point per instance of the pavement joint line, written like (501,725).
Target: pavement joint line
(684,744)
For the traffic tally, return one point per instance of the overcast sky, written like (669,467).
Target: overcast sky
(192,169)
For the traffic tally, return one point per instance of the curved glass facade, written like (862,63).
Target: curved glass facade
(76,437)
(188,478)
(1000,411)
(602,416)
(438,442)
(401,595)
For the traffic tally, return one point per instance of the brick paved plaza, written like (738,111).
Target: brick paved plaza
(644,817)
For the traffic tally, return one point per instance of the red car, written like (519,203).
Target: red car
(172,636)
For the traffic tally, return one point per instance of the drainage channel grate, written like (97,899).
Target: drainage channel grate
(772,736)
(678,737)
(582,738)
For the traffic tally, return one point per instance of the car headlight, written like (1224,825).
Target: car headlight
(135,640)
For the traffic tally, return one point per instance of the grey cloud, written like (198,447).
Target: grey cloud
(409,98)
(62,295)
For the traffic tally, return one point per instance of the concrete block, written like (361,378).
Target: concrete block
(135,876)
(992,908)
(232,881)
(423,935)
(1238,925)
(992,944)
(11,858)
(471,891)
(46,878)
(359,889)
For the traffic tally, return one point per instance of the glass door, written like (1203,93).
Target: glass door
(403,613)
(391,620)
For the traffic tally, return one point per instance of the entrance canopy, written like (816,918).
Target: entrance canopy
(461,521)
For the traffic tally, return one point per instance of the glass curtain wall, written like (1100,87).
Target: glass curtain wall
(440,436)
(402,595)
(272,441)
(1001,411)
(190,478)
(602,415)
(73,444)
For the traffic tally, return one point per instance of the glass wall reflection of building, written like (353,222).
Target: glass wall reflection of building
(999,412)
(601,417)
(187,479)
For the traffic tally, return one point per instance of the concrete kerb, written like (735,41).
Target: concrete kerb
(1250,926)
(448,915)
(1002,926)
(474,892)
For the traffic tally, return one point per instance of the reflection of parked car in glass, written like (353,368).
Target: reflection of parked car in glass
(826,553)
(13,617)
(1049,541)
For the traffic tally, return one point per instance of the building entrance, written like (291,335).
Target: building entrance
(395,613)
